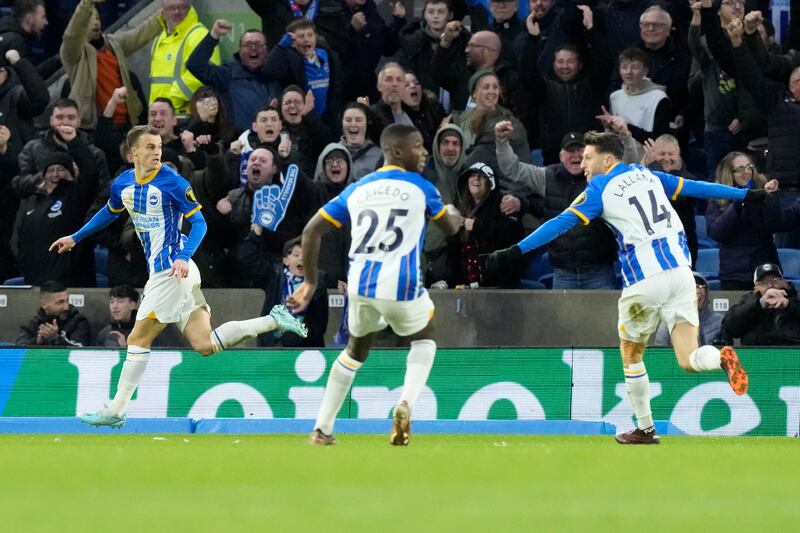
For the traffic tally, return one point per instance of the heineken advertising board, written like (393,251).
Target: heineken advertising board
(465,384)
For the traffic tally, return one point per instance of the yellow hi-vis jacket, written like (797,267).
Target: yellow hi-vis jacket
(169,77)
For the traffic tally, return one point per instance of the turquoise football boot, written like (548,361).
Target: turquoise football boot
(288,322)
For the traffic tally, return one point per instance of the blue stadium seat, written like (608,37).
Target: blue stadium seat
(714,284)
(708,263)
(790,262)
(531,284)
(15,282)
(703,240)
(538,266)
(101,265)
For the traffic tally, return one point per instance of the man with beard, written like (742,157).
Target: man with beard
(57,322)
(582,258)
(22,31)
(96,65)
(501,18)
(239,80)
(442,168)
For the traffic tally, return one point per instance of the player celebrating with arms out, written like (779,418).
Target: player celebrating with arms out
(158,199)
(388,209)
(656,267)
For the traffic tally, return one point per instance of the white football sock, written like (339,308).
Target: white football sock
(418,367)
(638,384)
(705,358)
(132,370)
(230,334)
(340,378)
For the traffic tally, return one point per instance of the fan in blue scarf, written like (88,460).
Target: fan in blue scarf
(297,10)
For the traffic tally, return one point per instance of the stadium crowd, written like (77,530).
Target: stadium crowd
(268,135)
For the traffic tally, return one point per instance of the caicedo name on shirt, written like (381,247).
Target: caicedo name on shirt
(631,179)
(381,191)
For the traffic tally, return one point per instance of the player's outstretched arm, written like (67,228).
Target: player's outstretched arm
(545,233)
(676,186)
(103,218)
(312,238)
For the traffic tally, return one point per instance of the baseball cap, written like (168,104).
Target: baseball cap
(766,268)
(481,168)
(572,139)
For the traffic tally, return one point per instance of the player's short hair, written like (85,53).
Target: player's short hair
(301,24)
(124,291)
(634,54)
(164,100)
(137,131)
(395,135)
(23,7)
(52,287)
(289,245)
(64,103)
(605,143)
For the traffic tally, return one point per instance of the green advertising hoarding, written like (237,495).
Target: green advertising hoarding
(472,384)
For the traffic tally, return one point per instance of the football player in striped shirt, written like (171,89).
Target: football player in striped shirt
(388,210)
(158,200)
(656,266)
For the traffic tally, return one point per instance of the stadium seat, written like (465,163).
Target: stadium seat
(714,284)
(703,240)
(15,282)
(535,273)
(790,262)
(101,265)
(708,263)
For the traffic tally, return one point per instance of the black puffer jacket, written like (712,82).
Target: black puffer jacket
(42,218)
(22,97)
(416,51)
(783,116)
(582,245)
(73,330)
(757,326)
(745,236)
(492,231)
(13,37)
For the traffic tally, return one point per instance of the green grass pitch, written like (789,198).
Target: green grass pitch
(440,483)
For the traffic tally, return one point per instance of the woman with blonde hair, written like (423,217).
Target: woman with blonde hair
(744,232)
(478,122)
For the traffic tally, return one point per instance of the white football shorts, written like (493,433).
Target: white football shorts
(368,315)
(170,300)
(670,296)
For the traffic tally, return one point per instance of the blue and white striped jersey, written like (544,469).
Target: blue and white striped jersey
(388,210)
(157,206)
(635,203)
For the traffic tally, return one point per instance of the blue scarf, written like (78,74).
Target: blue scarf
(297,11)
